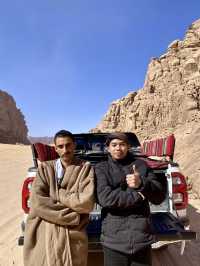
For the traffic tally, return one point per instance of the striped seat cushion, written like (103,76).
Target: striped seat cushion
(159,147)
(44,152)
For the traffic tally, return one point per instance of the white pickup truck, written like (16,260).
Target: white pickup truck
(169,221)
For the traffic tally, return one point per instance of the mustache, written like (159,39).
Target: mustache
(66,153)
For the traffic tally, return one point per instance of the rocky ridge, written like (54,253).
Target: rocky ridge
(44,140)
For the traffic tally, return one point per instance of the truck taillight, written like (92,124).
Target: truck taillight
(26,194)
(178,198)
(180,195)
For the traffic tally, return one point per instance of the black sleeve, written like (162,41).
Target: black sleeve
(110,197)
(154,187)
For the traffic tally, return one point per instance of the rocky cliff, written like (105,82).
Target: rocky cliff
(168,102)
(13,128)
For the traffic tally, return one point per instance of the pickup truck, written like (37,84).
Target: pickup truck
(169,221)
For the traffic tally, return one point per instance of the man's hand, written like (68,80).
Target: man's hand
(134,180)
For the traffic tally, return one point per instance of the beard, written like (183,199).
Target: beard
(67,156)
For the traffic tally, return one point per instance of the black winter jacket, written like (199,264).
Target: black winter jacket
(125,215)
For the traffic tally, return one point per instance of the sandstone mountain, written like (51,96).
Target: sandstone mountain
(13,128)
(169,102)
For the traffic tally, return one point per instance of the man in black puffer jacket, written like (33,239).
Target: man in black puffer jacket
(124,186)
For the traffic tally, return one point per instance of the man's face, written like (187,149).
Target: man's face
(118,149)
(65,147)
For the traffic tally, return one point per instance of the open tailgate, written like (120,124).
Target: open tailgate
(166,227)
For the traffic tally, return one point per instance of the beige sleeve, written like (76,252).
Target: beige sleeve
(81,201)
(43,206)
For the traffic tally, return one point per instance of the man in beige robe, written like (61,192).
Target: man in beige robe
(62,196)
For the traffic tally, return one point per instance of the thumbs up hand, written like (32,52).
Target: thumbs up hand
(134,168)
(134,180)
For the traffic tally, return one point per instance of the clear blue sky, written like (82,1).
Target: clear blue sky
(65,61)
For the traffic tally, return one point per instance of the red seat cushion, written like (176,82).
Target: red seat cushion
(170,144)
(159,151)
(159,147)
(44,152)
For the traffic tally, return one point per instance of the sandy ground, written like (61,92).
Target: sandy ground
(14,162)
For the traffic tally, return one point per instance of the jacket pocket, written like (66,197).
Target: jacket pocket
(141,224)
(112,226)
(141,230)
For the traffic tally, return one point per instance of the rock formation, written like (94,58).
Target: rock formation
(45,140)
(168,102)
(13,128)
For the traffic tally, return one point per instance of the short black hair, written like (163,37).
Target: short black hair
(62,134)
(117,135)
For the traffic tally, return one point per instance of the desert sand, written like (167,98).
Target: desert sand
(14,162)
